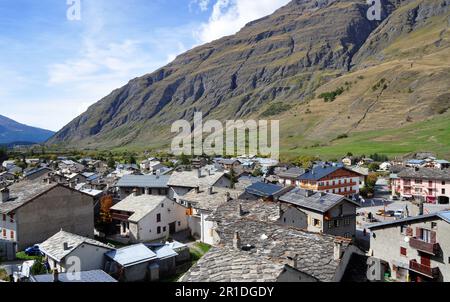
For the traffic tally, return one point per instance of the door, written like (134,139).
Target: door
(172,228)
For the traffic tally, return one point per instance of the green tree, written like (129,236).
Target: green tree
(38,267)
(305,161)
(111,163)
(373,167)
(3,153)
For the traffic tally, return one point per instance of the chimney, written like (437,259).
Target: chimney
(293,261)
(55,275)
(227,197)
(199,173)
(4,195)
(240,211)
(280,209)
(338,250)
(66,246)
(197,190)
(135,192)
(147,191)
(210,191)
(309,193)
(236,241)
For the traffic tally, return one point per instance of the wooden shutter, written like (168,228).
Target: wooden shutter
(433,237)
(418,233)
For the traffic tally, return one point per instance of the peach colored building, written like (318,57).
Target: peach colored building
(426,184)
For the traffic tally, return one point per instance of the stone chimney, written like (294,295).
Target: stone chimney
(55,275)
(210,191)
(4,195)
(240,211)
(293,261)
(236,241)
(199,173)
(227,197)
(147,191)
(338,250)
(66,246)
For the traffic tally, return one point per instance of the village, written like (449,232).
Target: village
(212,219)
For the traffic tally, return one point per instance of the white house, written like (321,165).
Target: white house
(181,183)
(148,217)
(62,249)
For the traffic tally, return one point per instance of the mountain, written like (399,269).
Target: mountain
(382,75)
(12,131)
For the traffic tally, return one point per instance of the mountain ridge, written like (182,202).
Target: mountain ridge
(12,131)
(288,57)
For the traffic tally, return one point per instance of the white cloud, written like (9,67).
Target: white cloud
(202,4)
(229,16)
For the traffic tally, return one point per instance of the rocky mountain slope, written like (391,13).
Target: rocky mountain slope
(389,73)
(12,131)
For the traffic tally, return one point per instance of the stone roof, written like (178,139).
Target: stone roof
(190,179)
(144,181)
(276,243)
(209,202)
(316,201)
(248,209)
(425,173)
(54,246)
(95,276)
(132,255)
(230,265)
(23,192)
(140,206)
(291,173)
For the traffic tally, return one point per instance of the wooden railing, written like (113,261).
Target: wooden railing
(430,248)
(431,272)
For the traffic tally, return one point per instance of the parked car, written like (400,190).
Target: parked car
(380,213)
(394,198)
(399,213)
(33,251)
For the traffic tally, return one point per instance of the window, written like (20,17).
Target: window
(158,217)
(284,220)
(164,229)
(341,210)
(158,230)
(418,181)
(179,223)
(12,234)
(337,223)
(443,183)
(434,225)
(317,223)
(403,251)
(4,217)
(330,224)
(162,205)
(4,233)
(347,221)
(443,191)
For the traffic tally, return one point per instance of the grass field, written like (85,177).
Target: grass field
(432,135)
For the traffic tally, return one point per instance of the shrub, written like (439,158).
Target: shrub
(276,108)
(331,96)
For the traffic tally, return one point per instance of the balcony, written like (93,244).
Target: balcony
(426,247)
(430,272)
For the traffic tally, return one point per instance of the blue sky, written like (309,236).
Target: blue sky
(52,69)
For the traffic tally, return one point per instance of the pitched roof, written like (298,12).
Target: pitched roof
(144,181)
(293,172)
(54,246)
(425,173)
(277,243)
(140,206)
(230,265)
(22,192)
(209,202)
(319,172)
(445,215)
(95,276)
(316,201)
(132,255)
(190,179)
(263,189)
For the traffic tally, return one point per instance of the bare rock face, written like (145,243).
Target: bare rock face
(283,57)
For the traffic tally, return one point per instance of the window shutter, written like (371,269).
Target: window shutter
(419,233)
(433,237)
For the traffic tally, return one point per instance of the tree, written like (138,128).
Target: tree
(233,178)
(3,154)
(184,159)
(38,267)
(373,167)
(257,172)
(111,163)
(305,161)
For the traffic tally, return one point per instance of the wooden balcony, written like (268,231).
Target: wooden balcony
(338,186)
(426,247)
(430,272)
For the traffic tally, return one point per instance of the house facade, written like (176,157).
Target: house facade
(331,179)
(143,218)
(424,184)
(31,212)
(416,249)
(319,212)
